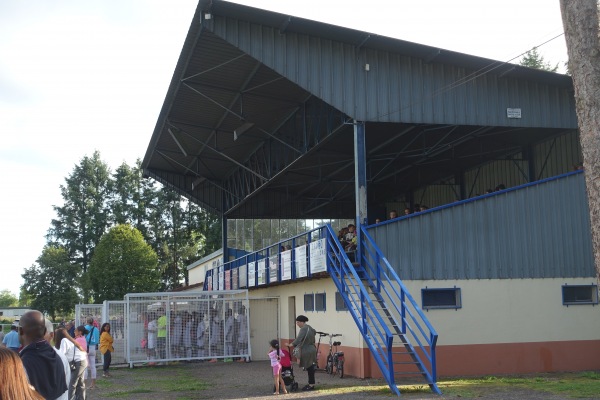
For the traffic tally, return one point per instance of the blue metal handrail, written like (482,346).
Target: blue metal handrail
(402,304)
(378,336)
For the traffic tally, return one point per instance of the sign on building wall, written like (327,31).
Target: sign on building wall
(234,279)
(228,279)
(300,256)
(273,268)
(317,256)
(261,265)
(252,274)
(286,265)
(221,278)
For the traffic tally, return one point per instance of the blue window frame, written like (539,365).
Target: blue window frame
(309,302)
(320,302)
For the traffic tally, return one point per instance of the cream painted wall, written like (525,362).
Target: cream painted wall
(493,311)
(511,311)
(330,321)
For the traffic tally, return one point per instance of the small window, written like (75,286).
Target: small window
(441,298)
(340,305)
(320,302)
(579,294)
(309,302)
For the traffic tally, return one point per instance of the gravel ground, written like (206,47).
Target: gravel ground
(253,381)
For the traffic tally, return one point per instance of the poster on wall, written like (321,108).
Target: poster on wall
(273,268)
(234,278)
(215,279)
(261,265)
(209,282)
(300,256)
(228,279)
(317,256)
(286,265)
(221,278)
(252,274)
(243,276)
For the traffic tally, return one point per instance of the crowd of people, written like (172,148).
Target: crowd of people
(196,334)
(38,362)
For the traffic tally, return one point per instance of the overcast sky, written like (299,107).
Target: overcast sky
(78,76)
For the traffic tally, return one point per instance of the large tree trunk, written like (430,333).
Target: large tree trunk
(580,21)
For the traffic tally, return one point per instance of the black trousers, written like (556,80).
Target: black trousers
(311,374)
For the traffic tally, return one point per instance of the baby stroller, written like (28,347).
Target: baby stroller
(287,371)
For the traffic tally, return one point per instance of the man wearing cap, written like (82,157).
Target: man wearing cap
(308,352)
(44,367)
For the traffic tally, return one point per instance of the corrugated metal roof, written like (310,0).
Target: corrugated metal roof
(297,85)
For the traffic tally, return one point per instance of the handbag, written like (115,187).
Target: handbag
(297,350)
(72,362)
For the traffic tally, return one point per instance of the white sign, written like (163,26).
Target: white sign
(252,274)
(243,275)
(513,113)
(273,268)
(221,278)
(300,256)
(317,256)
(261,266)
(286,265)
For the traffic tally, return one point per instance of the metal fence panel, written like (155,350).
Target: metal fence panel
(162,327)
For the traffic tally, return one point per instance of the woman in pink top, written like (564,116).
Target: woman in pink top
(274,356)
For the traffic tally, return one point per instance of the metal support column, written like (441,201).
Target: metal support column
(224,232)
(360,182)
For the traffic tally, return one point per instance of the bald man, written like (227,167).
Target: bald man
(44,367)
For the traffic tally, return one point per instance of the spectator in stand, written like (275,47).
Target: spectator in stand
(44,367)
(423,207)
(14,379)
(11,339)
(350,238)
(500,187)
(407,211)
(393,214)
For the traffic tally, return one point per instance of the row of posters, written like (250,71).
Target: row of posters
(255,273)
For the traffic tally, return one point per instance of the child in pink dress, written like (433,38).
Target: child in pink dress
(274,356)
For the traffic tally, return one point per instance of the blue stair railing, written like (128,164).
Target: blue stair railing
(386,314)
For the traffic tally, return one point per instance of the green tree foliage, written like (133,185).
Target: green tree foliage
(94,199)
(533,59)
(50,283)
(83,218)
(7,299)
(123,263)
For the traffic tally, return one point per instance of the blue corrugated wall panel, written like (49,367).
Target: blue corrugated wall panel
(398,88)
(539,230)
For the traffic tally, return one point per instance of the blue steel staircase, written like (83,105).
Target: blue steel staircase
(401,339)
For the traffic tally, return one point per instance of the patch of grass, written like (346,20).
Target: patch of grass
(127,393)
(582,385)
